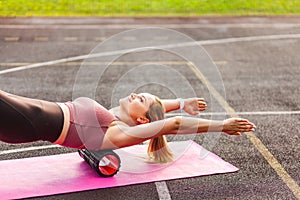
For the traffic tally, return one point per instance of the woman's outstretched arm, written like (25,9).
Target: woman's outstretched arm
(121,135)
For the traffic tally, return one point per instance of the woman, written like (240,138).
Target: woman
(83,123)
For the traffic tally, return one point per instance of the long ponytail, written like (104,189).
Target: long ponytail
(158,150)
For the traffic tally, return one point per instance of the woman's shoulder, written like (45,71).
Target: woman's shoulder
(88,103)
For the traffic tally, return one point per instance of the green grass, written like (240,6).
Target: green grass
(147,7)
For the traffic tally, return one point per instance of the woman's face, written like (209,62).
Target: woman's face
(137,105)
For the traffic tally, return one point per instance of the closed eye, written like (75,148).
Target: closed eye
(143,99)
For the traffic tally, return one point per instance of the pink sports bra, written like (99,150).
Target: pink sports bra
(85,124)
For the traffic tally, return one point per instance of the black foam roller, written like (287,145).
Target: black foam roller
(105,162)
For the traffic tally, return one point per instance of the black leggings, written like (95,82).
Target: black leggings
(27,120)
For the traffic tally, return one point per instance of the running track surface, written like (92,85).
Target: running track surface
(256,57)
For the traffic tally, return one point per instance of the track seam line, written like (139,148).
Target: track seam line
(273,162)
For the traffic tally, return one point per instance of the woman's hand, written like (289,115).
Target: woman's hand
(193,106)
(234,126)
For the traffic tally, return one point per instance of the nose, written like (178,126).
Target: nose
(133,95)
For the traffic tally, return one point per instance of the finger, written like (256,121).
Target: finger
(250,126)
(201,107)
(246,129)
(242,120)
(236,133)
(244,124)
(201,101)
(201,104)
(247,126)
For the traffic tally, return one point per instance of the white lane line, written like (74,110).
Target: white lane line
(133,26)
(120,52)
(28,149)
(241,113)
(162,190)
(43,64)
(249,39)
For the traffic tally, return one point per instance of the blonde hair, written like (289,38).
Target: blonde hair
(158,150)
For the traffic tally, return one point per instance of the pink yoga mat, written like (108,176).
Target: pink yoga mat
(40,176)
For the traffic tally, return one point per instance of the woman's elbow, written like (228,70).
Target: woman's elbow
(176,123)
